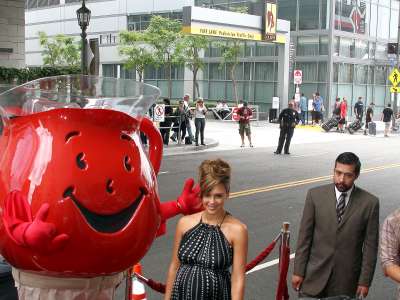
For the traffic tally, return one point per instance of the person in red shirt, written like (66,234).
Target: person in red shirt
(343,114)
(245,115)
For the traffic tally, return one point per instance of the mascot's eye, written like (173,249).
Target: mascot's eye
(70,135)
(127,164)
(109,186)
(126,137)
(80,161)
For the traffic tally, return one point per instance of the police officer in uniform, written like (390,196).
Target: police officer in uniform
(288,119)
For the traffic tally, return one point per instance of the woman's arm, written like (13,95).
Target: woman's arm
(240,243)
(173,267)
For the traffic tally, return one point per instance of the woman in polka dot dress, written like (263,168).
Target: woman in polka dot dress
(208,244)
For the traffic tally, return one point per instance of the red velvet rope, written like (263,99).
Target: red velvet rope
(160,287)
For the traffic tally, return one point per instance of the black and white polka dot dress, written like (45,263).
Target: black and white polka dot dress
(205,256)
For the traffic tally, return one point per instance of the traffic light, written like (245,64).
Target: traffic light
(392,48)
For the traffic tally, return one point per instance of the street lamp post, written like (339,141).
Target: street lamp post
(83,15)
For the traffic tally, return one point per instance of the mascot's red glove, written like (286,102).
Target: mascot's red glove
(26,231)
(188,202)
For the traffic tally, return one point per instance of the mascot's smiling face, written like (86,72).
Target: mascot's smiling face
(89,167)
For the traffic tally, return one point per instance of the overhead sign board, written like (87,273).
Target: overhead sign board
(298,76)
(270,20)
(228,24)
(394,77)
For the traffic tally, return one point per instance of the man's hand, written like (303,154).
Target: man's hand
(296,282)
(362,291)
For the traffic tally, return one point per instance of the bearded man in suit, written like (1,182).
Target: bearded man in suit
(338,238)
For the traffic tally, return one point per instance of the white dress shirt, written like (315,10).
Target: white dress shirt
(339,193)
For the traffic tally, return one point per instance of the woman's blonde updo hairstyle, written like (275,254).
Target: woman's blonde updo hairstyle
(212,173)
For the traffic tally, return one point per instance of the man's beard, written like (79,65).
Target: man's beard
(342,187)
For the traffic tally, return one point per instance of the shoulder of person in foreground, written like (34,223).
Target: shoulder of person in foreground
(187,222)
(367,195)
(237,230)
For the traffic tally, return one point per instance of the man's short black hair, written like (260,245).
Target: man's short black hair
(389,105)
(349,158)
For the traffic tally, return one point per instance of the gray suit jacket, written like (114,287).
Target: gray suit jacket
(341,255)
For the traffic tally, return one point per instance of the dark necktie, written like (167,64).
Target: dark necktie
(341,206)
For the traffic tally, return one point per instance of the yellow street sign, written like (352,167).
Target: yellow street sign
(395,89)
(394,77)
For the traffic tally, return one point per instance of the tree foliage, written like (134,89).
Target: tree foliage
(60,51)
(137,55)
(192,47)
(165,38)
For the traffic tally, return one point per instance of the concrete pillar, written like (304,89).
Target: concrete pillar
(283,64)
(12,33)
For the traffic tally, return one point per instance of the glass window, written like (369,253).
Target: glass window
(322,71)
(371,50)
(323,45)
(380,75)
(248,67)
(371,72)
(346,47)
(263,49)
(350,16)
(383,22)
(361,74)
(287,11)
(216,72)
(42,3)
(110,70)
(336,46)
(309,71)
(308,14)
(215,51)
(32,3)
(250,49)
(264,71)
(54,2)
(335,72)
(345,73)
(128,73)
(381,51)
(374,20)
(307,46)
(394,19)
(361,49)
(324,15)
(150,72)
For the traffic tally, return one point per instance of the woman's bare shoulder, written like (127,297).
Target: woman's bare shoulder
(189,221)
(235,226)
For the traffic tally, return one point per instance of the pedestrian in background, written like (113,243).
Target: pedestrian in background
(288,119)
(303,108)
(369,115)
(359,109)
(387,115)
(200,120)
(245,114)
(180,118)
(165,126)
(207,244)
(343,114)
(318,105)
(338,237)
(186,105)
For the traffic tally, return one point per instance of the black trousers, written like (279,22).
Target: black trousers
(8,291)
(284,138)
(200,124)
(165,129)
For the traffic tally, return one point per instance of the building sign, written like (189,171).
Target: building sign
(270,20)
(350,16)
(223,32)
(228,24)
(159,113)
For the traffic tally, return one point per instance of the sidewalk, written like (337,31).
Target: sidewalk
(225,136)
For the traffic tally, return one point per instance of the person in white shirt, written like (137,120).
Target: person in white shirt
(200,120)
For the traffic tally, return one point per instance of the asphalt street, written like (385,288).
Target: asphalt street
(282,182)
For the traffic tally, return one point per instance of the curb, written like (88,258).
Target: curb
(182,149)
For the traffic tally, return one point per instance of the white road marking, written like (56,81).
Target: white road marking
(310,154)
(267,264)
(165,172)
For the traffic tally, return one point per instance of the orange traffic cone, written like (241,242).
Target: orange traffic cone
(138,291)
